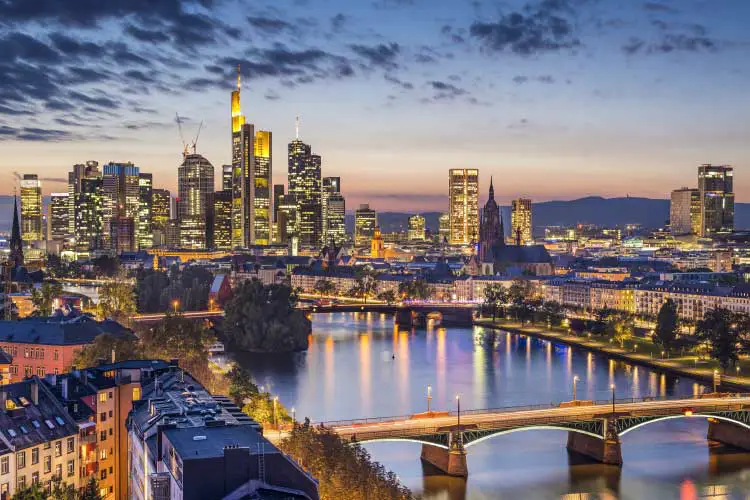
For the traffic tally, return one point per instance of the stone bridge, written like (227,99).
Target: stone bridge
(408,315)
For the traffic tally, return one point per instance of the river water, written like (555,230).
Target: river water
(362,365)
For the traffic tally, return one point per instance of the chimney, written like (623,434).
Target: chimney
(35,392)
(64,388)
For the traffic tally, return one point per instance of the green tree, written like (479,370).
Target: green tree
(107,266)
(241,386)
(552,313)
(324,287)
(367,283)
(667,325)
(102,348)
(719,329)
(495,297)
(58,490)
(622,328)
(389,297)
(117,300)
(150,285)
(262,317)
(44,297)
(416,289)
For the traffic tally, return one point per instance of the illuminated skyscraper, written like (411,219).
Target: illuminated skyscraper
(305,185)
(463,193)
(31,208)
(226,177)
(716,186)
(333,208)
(222,237)
(89,213)
(685,211)
(252,171)
(444,228)
(121,196)
(520,220)
(365,222)
(89,170)
(195,186)
(288,222)
(57,217)
(145,231)
(160,214)
(416,228)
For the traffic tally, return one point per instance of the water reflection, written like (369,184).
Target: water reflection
(363,365)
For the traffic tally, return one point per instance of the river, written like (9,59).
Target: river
(362,365)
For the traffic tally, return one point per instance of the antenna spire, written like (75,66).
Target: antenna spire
(296,127)
(238,77)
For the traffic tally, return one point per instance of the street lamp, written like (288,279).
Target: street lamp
(613,398)
(294,415)
(175,305)
(211,304)
(458,404)
(575,380)
(429,398)
(717,377)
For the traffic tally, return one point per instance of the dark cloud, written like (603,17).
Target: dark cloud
(398,82)
(269,24)
(544,26)
(338,21)
(139,76)
(99,101)
(271,95)
(22,47)
(446,91)
(658,7)
(519,79)
(382,55)
(146,35)
(76,48)
(36,134)
(454,36)
(671,42)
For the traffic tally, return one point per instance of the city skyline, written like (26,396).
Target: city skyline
(518,108)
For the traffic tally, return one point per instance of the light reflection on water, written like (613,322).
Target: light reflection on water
(362,365)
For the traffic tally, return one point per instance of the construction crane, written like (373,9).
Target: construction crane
(197,135)
(194,144)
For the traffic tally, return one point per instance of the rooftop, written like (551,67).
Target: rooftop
(59,330)
(210,442)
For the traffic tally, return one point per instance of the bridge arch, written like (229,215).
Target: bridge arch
(404,440)
(503,432)
(645,422)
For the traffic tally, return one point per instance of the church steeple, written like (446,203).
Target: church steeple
(16,243)
(492,190)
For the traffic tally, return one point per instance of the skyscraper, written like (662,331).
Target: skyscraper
(444,228)
(715,183)
(195,186)
(252,172)
(145,202)
(463,193)
(223,219)
(57,217)
(416,228)
(305,186)
(333,207)
(288,222)
(121,196)
(89,213)
(365,222)
(160,214)
(89,170)
(520,220)
(491,231)
(226,177)
(31,208)
(685,211)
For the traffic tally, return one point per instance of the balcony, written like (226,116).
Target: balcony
(87,439)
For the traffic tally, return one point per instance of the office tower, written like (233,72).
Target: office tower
(195,186)
(335,219)
(145,201)
(520,220)
(365,221)
(121,196)
(222,237)
(226,177)
(491,231)
(305,185)
(416,228)
(463,193)
(160,202)
(89,214)
(252,171)
(278,192)
(89,170)
(288,220)
(715,183)
(685,211)
(444,228)
(31,208)
(57,217)
(173,233)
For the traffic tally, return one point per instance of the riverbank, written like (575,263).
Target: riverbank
(686,366)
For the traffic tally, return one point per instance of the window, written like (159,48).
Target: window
(110,431)
(35,423)
(103,475)
(58,470)
(71,468)
(58,448)
(20,460)
(27,371)
(34,456)
(34,477)
(14,369)
(102,492)
(71,445)
(103,436)
(5,490)
(4,465)
(136,393)
(102,397)
(55,356)
(21,484)
(103,454)
(103,417)
(47,444)
(110,413)
(47,464)
(40,372)
(111,394)
(60,421)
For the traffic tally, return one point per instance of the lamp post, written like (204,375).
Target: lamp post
(175,305)
(458,404)
(429,398)
(716,380)
(294,416)
(613,398)
(575,381)
(211,304)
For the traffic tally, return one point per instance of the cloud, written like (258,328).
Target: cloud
(383,55)
(446,91)
(269,24)
(658,7)
(398,82)
(539,27)
(671,42)
(36,134)
(338,21)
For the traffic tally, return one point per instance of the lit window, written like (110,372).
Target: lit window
(136,393)
(102,397)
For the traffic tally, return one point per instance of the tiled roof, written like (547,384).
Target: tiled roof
(59,331)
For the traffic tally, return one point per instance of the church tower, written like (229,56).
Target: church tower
(491,227)
(16,243)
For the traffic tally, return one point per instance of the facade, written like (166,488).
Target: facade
(86,206)
(716,187)
(377,245)
(222,227)
(145,230)
(444,228)
(160,214)
(58,225)
(121,205)
(40,439)
(226,177)
(463,193)
(416,228)
(335,219)
(195,180)
(491,230)
(685,211)
(261,180)
(365,221)
(520,216)
(31,208)
(288,221)
(304,177)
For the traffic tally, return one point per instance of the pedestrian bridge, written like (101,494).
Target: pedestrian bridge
(594,427)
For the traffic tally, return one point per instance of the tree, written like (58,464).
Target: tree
(262,317)
(107,266)
(241,386)
(622,328)
(102,348)
(58,490)
(367,283)
(552,313)
(117,300)
(719,328)
(495,297)
(520,291)
(667,325)
(577,326)
(416,289)
(389,297)
(44,297)
(324,287)
(150,285)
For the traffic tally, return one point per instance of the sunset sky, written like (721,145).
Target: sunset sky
(556,99)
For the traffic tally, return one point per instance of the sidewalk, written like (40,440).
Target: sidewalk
(647,353)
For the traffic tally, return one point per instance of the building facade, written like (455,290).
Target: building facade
(31,208)
(160,215)
(305,184)
(685,211)
(121,205)
(222,226)
(195,182)
(463,194)
(145,230)
(520,217)
(416,230)
(716,186)
(58,225)
(365,221)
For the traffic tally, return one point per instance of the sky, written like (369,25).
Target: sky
(555,99)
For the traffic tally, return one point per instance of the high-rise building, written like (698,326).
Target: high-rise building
(715,183)
(333,207)
(31,208)
(160,214)
(288,220)
(491,231)
(278,192)
(463,193)
(89,170)
(146,197)
(89,213)
(365,222)
(57,217)
(520,220)
(416,228)
(223,219)
(252,171)
(226,177)
(305,185)
(444,228)
(122,200)
(685,211)
(195,186)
